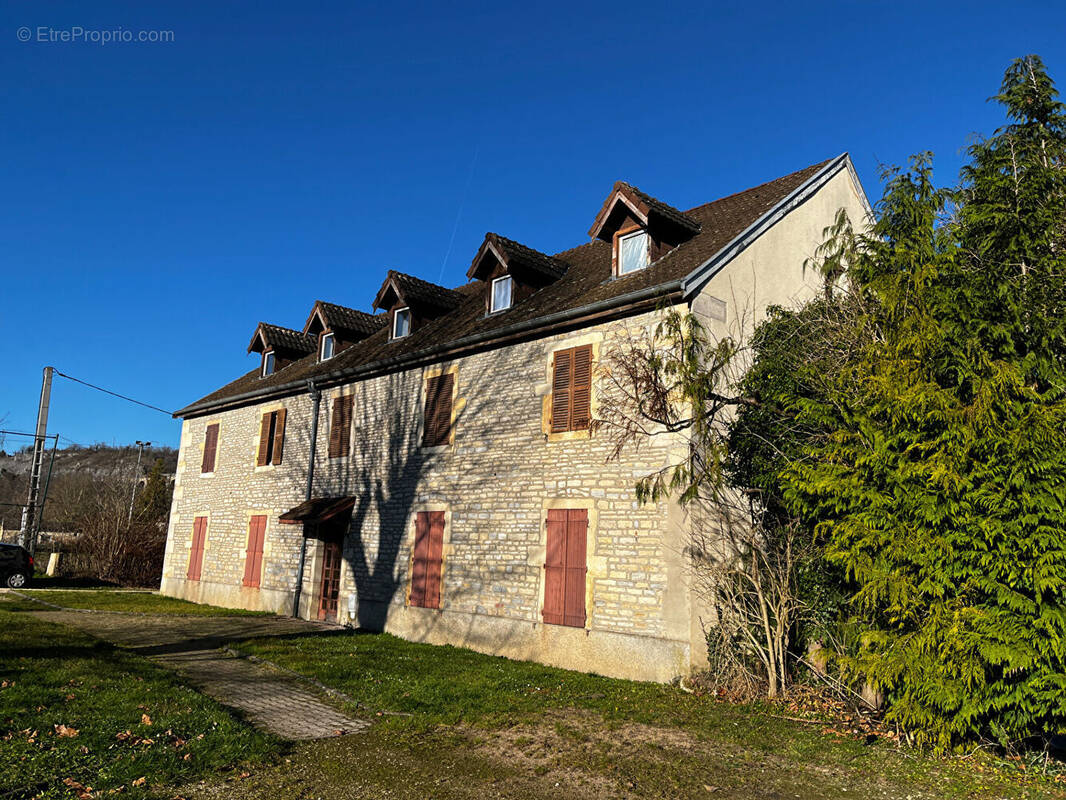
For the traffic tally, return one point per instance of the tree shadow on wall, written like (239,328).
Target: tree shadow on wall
(386,472)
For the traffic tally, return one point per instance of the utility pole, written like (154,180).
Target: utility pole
(136,477)
(29,514)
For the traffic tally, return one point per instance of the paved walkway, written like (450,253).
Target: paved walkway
(192,646)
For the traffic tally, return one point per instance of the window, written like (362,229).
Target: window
(426,560)
(437,423)
(271,438)
(210,449)
(253,556)
(196,552)
(501,294)
(268,363)
(571,389)
(632,252)
(325,352)
(340,429)
(401,323)
(564,567)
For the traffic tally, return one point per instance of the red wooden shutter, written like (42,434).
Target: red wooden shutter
(581,389)
(437,421)
(279,436)
(435,559)
(419,566)
(577,523)
(210,448)
(561,383)
(253,559)
(196,552)
(340,431)
(264,441)
(555,567)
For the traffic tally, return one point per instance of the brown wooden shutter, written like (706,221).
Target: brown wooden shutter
(577,523)
(437,420)
(340,430)
(279,436)
(581,389)
(264,441)
(210,448)
(253,559)
(435,559)
(196,552)
(562,368)
(419,565)
(555,567)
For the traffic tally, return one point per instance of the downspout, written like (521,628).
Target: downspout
(316,398)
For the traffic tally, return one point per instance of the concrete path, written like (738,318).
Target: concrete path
(193,647)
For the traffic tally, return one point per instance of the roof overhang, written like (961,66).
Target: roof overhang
(488,249)
(259,341)
(619,194)
(318,509)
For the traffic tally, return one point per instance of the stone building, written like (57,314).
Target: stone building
(458,494)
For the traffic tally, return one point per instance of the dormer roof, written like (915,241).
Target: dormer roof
(512,254)
(415,292)
(644,207)
(333,317)
(274,337)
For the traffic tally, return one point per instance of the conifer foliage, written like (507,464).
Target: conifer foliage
(935,471)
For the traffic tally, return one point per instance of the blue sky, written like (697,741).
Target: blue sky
(161,199)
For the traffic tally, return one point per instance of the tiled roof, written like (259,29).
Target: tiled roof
(519,255)
(587,282)
(416,290)
(350,319)
(280,338)
(655,206)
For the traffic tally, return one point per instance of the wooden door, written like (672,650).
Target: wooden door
(331,580)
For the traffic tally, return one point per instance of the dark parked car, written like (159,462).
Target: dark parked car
(16,566)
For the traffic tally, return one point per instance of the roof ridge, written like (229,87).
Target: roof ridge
(761,185)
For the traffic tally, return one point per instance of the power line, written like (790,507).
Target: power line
(113,394)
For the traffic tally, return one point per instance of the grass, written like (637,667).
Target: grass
(75,709)
(570,723)
(143,602)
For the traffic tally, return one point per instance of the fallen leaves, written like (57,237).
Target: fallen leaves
(145,719)
(66,731)
(84,792)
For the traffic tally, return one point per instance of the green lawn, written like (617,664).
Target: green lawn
(73,708)
(454,701)
(145,602)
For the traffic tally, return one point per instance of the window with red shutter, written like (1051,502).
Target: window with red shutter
(427,560)
(565,569)
(437,422)
(210,448)
(196,552)
(253,556)
(571,406)
(340,429)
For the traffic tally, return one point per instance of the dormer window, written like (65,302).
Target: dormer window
(325,348)
(268,363)
(501,294)
(401,323)
(632,251)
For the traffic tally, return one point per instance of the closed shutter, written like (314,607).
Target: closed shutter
(340,430)
(253,558)
(279,436)
(264,441)
(555,567)
(427,559)
(577,523)
(438,412)
(565,568)
(562,367)
(436,558)
(581,389)
(419,559)
(210,448)
(196,552)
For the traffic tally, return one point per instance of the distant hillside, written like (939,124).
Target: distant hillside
(73,464)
